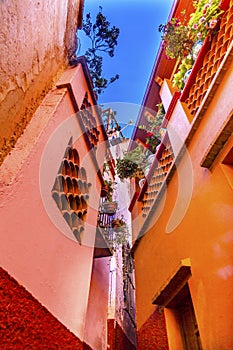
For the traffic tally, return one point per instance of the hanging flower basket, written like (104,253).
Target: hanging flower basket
(107,189)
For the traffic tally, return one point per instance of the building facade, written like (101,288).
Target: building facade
(37,41)
(182,216)
(57,278)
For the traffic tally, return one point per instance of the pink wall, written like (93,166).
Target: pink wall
(97,312)
(34,248)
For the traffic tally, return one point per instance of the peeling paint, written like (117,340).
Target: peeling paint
(35,40)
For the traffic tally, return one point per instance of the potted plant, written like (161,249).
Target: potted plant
(107,188)
(120,236)
(177,39)
(205,18)
(132,164)
(153,128)
(118,223)
(184,39)
(183,72)
(152,141)
(109,206)
(126,168)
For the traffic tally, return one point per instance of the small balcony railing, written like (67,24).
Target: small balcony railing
(104,235)
(157,177)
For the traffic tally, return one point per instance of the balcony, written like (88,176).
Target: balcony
(157,179)
(103,243)
(211,64)
(207,73)
(184,112)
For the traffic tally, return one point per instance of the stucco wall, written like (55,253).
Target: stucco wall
(204,234)
(36,247)
(97,312)
(35,38)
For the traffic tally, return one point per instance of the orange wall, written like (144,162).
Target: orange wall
(204,235)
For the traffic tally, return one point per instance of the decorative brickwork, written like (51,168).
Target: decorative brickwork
(26,324)
(152,335)
(89,124)
(71,192)
(221,43)
(157,177)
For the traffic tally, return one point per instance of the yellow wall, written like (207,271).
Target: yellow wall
(204,235)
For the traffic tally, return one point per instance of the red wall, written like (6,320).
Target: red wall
(25,323)
(117,340)
(152,335)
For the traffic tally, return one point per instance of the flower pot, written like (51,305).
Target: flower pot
(139,174)
(196,48)
(187,74)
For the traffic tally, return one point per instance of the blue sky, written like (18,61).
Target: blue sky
(136,50)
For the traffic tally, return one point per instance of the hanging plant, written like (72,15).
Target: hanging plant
(153,128)
(176,36)
(107,189)
(184,67)
(152,141)
(119,223)
(126,168)
(132,164)
(120,236)
(109,207)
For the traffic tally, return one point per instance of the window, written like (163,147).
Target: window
(71,192)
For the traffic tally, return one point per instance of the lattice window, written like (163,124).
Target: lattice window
(89,123)
(71,192)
